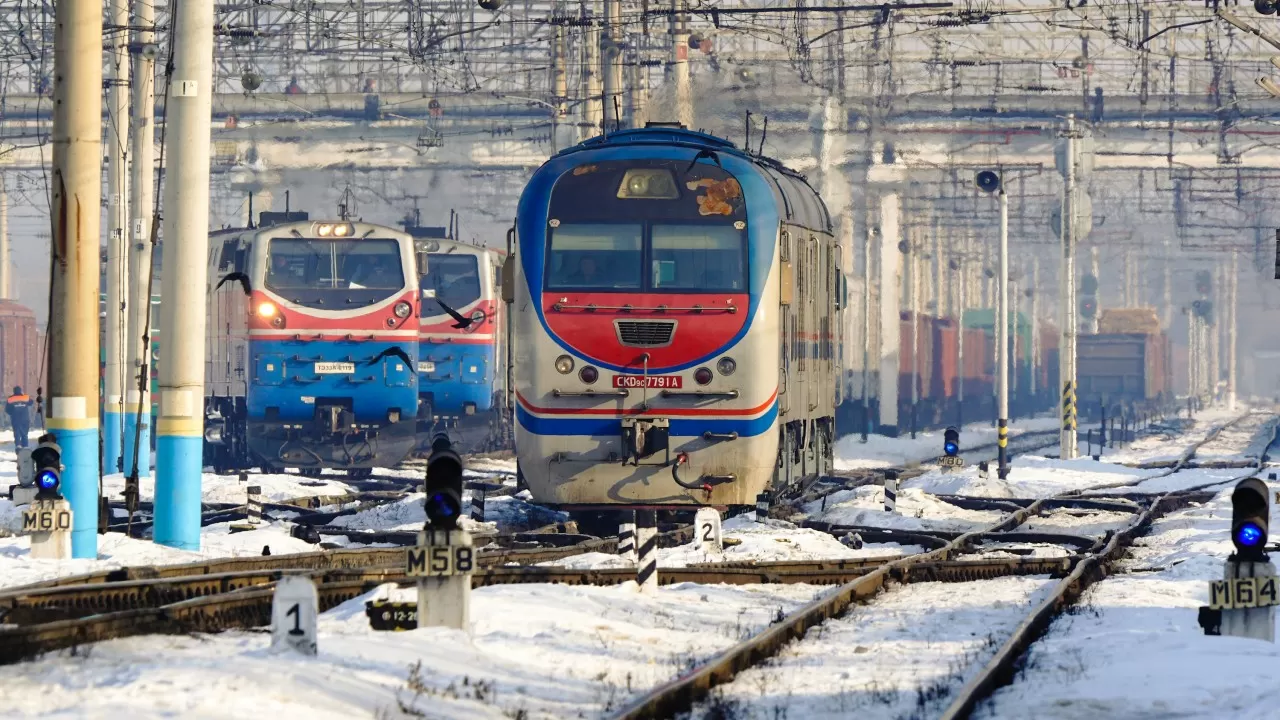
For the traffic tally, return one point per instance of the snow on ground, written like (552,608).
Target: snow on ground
(116,550)
(538,651)
(1246,439)
(772,541)
(916,510)
(1134,648)
(1030,476)
(880,451)
(899,656)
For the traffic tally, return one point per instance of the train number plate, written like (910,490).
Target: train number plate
(653,381)
(45,517)
(951,461)
(439,560)
(335,368)
(1243,593)
(426,367)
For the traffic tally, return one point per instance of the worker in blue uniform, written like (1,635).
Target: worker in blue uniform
(18,407)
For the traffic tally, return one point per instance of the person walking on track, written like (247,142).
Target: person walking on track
(18,407)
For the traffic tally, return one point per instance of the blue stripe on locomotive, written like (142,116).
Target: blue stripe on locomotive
(763,216)
(680,427)
(463,374)
(283,373)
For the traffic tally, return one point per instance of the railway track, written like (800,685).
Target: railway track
(682,694)
(237,593)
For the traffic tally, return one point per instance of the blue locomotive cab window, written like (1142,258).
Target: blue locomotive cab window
(645,225)
(455,279)
(334,274)
(698,258)
(596,256)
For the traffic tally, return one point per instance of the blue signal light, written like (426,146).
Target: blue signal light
(1250,535)
(950,448)
(442,506)
(47,480)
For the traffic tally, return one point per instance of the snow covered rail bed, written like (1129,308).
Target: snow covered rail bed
(54,618)
(682,694)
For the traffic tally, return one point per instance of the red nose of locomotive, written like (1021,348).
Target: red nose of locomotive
(630,330)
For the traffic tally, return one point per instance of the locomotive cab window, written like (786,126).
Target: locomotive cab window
(334,274)
(652,226)
(455,280)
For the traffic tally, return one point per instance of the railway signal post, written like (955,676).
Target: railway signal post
(48,518)
(76,187)
(444,558)
(180,429)
(1243,603)
(990,182)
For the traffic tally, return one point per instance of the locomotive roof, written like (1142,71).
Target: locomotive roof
(798,202)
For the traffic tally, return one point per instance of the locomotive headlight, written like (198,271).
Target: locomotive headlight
(266,310)
(648,184)
(702,375)
(402,309)
(726,365)
(588,374)
(564,364)
(342,230)
(324,230)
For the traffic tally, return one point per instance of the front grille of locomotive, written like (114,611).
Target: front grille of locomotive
(645,334)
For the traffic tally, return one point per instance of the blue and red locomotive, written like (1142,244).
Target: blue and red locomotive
(462,366)
(676,315)
(313,338)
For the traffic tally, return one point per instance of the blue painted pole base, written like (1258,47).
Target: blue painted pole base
(112,429)
(179,462)
(80,485)
(144,457)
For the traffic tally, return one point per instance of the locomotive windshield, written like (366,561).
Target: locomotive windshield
(455,280)
(649,226)
(334,274)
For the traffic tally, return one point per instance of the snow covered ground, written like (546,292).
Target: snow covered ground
(554,651)
(537,651)
(881,452)
(897,657)
(1133,649)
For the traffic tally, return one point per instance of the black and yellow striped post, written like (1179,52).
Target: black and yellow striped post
(1002,467)
(1068,420)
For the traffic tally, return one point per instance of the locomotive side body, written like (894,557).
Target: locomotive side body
(313,338)
(674,322)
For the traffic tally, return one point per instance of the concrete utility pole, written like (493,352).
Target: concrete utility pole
(639,92)
(137,406)
(77,197)
(184,278)
(560,85)
(1035,327)
(592,104)
(116,322)
(867,245)
(1213,326)
(1095,270)
(914,258)
(1002,340)
(1234,309)
(611,64)
(6,280)
(1067,292)
(680,63)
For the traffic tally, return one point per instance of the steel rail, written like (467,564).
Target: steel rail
(680,694)
(1000,669)
(232,605)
